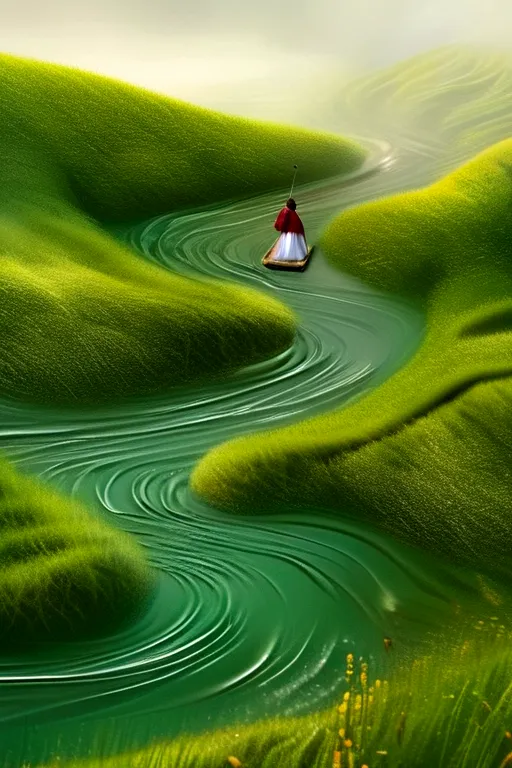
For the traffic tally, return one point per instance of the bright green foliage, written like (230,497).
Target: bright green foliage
(82,319)
(427,455)
(63,574)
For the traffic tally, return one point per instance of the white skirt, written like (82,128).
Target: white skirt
(290,247)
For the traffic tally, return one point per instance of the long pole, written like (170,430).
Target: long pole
(293,182)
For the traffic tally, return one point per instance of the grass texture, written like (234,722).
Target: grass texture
(82,318)
(427,455)
(443,710)
(63,574)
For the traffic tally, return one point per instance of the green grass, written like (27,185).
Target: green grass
(83,319)
(287,742)
(427,455)
(442,710)
(63,575)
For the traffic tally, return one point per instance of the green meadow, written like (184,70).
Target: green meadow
(401,457)
(83,319)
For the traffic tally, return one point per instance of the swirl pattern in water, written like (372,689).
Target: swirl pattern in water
(252,616)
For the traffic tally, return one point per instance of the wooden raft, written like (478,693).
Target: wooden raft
(292,266)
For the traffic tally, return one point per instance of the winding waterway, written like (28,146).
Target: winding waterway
(253,616)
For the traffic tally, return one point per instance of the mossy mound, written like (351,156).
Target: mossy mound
(82,318)
(85,320)
(63,574)
(427,455)
(127,153)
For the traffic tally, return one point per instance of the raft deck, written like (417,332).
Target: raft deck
(292,266)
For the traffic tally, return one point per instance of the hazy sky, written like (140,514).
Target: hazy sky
(181,47)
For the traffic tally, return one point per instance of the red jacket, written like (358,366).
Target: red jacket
(289,221)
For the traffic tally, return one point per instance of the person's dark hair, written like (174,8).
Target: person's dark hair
(291,204)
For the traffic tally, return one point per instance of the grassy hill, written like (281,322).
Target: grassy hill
(63,574)
(82,318)
(427,455)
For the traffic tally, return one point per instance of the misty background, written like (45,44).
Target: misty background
(265,59)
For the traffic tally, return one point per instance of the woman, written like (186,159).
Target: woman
(291,246)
